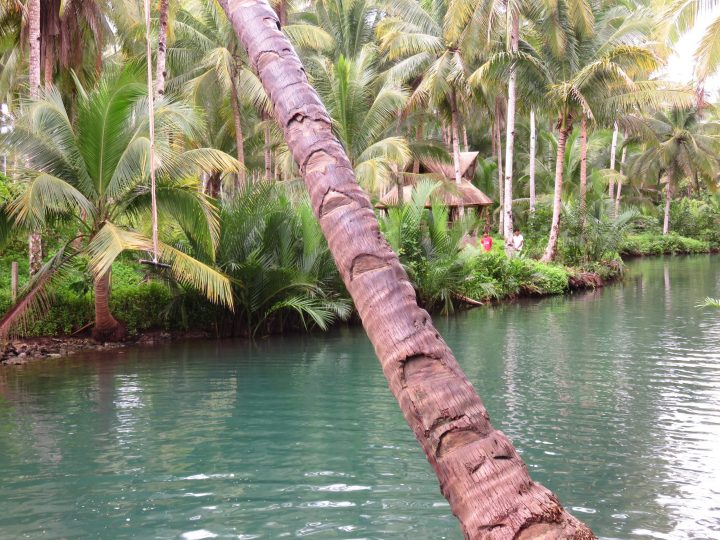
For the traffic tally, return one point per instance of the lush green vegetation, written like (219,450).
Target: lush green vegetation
(580,145)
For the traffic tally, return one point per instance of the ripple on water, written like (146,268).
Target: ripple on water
(613,399)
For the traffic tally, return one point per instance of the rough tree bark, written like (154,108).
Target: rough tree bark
(34,240)
(510,130)
(49,62)
(533,150)
(583,169)
(33,7)
(161,71)
(107,328)
(480,473)
(564,128)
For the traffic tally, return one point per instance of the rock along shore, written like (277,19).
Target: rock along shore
(22,351)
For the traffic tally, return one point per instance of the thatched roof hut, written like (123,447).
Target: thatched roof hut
(468,162)
(452,194)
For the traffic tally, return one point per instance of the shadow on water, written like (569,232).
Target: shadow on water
(612,397)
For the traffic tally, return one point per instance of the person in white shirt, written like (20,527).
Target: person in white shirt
(517,241)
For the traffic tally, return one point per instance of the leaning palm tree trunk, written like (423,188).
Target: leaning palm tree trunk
(551,249)
(533,150)
(35,240)
(510,132)
(480,473)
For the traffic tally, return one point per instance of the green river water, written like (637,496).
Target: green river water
(612,397)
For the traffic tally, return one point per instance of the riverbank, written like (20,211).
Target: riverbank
(520,277)
(16,352)
(470,280)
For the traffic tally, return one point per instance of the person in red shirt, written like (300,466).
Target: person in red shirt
(486,241)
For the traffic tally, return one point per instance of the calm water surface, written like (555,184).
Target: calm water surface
(612,397)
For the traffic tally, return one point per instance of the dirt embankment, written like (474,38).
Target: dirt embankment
(22,351)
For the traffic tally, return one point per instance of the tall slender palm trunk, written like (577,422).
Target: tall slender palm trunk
(161,71)
(583,169)
(418,137)
(565,128)
(151,125)
(613,152)
(107,328)
(34,240)
(501,177)
(619,186)
(49,62)
(455,126)
(510,131)
(668,199)
(34,40)
(533,151)
(267,149)
(480,473)
(239,137)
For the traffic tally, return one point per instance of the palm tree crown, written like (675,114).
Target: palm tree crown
(94,171)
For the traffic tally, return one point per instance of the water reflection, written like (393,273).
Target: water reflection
(613,398)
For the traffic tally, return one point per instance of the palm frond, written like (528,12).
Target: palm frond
(37,296)
(47,195)
(110,241)
(707,56)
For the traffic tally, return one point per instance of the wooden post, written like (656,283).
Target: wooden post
(13,280)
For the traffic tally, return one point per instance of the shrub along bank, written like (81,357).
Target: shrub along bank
(284,278)
(670,244)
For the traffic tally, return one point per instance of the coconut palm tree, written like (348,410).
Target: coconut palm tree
(678,146)
(480,473)
(208,61)
(56,31)
(587,75)
(94,172)
(33,14)
(334,27)
(364,112)
(433,42)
